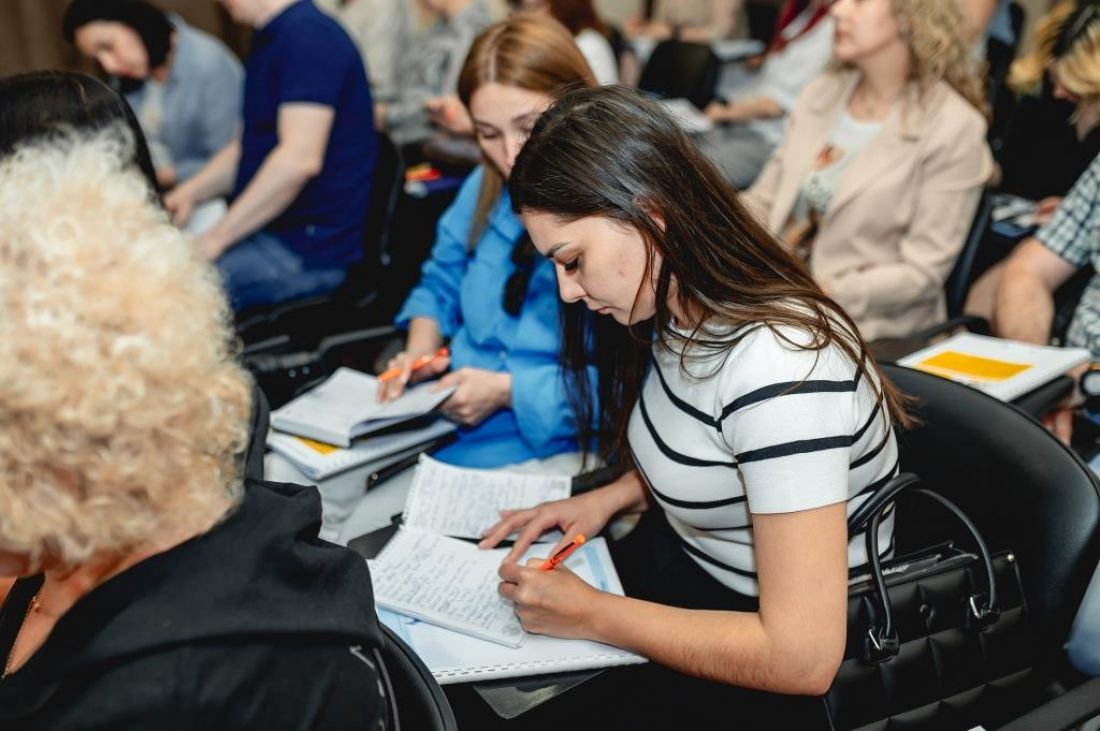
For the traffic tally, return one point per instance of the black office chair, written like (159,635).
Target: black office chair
(309,320)
(258,425)
(418,701)
(1027,493)
(678,69)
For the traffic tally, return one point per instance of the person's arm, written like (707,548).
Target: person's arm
(1024,304)
(303,131)
(794,644)
(951,182)
(216,178)
(437,296)
(744,110)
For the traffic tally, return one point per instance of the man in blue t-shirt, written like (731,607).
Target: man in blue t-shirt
(299,170)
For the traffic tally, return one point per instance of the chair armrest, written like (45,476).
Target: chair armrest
(1067,711)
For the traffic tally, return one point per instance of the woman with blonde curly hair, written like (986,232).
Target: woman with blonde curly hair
(877,179)
(156,587)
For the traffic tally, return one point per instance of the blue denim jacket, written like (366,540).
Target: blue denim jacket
(463,292)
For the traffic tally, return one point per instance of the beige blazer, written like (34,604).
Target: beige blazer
(900,217)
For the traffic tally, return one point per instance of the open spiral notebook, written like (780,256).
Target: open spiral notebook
(456,657)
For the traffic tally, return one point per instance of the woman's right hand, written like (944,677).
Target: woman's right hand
(391,388)
(586,514)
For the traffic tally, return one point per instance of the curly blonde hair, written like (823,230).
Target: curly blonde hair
(122,409)
(933,31)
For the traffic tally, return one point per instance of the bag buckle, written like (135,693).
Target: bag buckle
(980,616)
(878,649)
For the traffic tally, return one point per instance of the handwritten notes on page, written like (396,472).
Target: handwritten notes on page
(461,502)
(447,582)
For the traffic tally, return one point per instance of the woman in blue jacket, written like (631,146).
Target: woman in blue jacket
(484,287)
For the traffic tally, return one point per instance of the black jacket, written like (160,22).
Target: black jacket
(256,624)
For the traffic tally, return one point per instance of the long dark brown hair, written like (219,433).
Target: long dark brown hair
(610,152)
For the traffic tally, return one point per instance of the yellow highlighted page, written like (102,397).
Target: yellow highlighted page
(952,363)
(320,447)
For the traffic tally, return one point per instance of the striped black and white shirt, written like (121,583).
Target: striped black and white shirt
(761,427)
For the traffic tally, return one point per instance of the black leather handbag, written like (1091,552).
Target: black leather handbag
(937,639)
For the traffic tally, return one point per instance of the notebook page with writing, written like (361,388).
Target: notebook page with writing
(445,581)
(461,502)
(453,657)
(1005,369)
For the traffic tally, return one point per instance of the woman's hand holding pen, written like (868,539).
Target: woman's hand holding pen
(409,367)
(550,602)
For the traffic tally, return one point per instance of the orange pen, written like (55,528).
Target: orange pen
(417,364)
(563,554)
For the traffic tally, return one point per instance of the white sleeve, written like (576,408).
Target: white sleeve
(789,419)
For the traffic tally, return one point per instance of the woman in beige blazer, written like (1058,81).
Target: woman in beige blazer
(883,163)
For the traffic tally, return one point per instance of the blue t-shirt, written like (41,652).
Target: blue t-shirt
(302,55)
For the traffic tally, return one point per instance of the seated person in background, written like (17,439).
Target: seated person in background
(484,288)
(383,31)
(698,21)
(156,588)
(301,169)
(1024,302)
(878,176)
(184,85)
(745,466)
(751,123)
(580,18)
(1053,135)
(430,67)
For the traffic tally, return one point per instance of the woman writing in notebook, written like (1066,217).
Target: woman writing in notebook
(742,396)
(484,287)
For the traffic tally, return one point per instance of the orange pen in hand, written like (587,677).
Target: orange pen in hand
(417,364)
(563,554)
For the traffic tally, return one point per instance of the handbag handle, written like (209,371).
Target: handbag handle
(882,642)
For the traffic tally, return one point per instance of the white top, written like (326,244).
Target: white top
(849,138)
(786,72)
(597,51)
(759,427)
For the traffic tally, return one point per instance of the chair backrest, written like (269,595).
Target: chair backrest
(678,69)
(389,181)
(257,435)
(1024,489)
(962,274)
(419,702)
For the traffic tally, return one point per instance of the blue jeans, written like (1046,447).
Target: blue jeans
(260,270)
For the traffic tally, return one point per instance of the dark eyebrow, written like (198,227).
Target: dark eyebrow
(555,248)
(525,115)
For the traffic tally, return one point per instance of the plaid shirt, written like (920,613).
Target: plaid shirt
(1073,233)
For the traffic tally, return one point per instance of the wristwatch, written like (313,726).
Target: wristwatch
(1089,382)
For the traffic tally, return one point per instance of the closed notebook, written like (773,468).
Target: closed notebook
(1005,369)
(346,406)
(319,461)
(456,657)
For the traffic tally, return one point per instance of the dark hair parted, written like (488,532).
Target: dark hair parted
(609,152)
(39,104)
(147,20)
